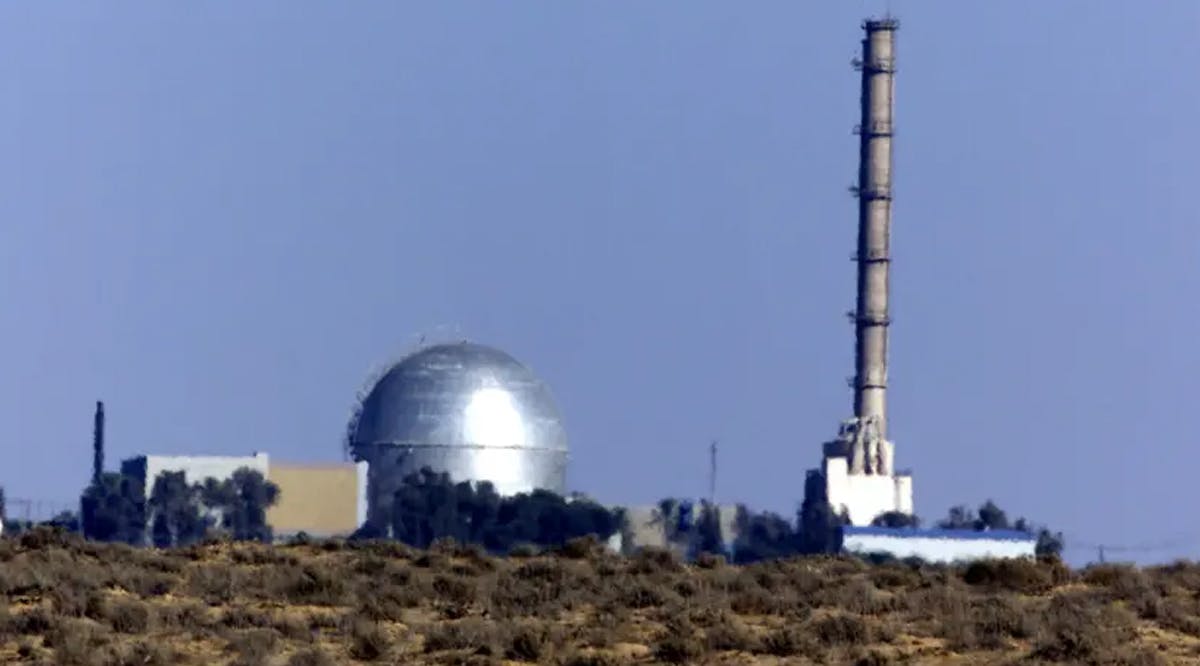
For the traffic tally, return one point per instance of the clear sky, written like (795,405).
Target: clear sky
(217,217)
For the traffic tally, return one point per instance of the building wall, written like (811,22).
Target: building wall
(865,496)
(645,528)
(321,500)
(943,546)
(196,468)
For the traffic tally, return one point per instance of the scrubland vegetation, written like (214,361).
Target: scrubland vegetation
(71,601)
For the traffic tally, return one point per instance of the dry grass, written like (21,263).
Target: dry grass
(76,603)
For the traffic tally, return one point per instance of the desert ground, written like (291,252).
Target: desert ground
(71,601)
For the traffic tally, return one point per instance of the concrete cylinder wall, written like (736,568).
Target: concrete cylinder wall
(874,252)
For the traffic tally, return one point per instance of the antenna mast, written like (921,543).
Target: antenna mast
(712,473)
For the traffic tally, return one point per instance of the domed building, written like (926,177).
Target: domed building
(465,409)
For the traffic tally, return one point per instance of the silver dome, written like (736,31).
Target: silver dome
(469,410)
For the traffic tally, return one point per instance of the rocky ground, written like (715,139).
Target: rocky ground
(73,602)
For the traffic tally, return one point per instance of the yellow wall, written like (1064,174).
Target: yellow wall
(321,500)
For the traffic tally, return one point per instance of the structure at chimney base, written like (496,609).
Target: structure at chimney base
(857,476)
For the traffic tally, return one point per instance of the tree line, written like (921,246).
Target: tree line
(114,507)
(431,506)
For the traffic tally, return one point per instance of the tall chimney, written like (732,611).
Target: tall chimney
(98,444)
(874,192)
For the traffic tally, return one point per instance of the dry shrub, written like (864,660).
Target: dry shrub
(368,640)
(841,629)
(1183,574)
(539,587)
(385,548)
(1076,627)
(708,560)
(215,583)
(454,589)
(244,617)
(128,616)
(861,657)
(678,649)
(859,596)
(293,628)
(148,583)
(253,554)
(311,657)
(988,624)
(183,615)
(467,634)
(387,606)
(308,585)
(1126,583)
(650,561)
(936,603)
(256,646)
(709,612)
(70,601)
(32,622)
(1013,575)
(787,641)
(146,653)
(637,593)
(528,642)
(1179,615)
(27,649)
(522,551)
(893,576)
(591,658)
(732,635)
(74,642)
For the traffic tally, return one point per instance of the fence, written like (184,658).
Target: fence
(36,510)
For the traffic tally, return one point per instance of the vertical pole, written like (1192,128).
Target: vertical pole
(98,444)
(712,474)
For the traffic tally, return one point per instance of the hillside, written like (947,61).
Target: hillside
(74,602)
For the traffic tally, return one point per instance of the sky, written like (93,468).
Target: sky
(220,217)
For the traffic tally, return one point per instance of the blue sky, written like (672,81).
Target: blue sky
(218,217)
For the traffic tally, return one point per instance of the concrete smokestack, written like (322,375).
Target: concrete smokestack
(874,190)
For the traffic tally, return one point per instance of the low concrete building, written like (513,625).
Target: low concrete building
(936,545)
(321,500)
(195,468)
(648,527)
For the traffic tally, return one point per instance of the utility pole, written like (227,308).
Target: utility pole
(712,473)
(98,444)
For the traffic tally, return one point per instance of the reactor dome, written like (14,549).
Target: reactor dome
(466,409)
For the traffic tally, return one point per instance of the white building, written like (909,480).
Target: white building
(856,475)
(195,468)
(938,546)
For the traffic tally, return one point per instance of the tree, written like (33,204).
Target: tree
(429,506)
(244,499)
(991,517)
(708,530)
(1049,544)
(819,526)
(896,519)
(114,509)
(68,521)
(960,517)
(174,511)
(762,536)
